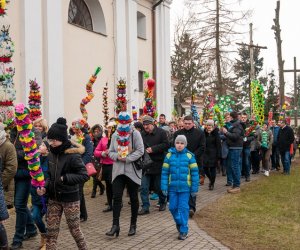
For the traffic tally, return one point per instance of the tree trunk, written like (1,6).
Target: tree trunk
(219,85)
(277,31)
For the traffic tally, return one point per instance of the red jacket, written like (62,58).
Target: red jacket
(102,146)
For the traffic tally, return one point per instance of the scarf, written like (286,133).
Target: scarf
(60,149)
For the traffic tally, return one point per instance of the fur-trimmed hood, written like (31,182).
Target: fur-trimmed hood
(76,149)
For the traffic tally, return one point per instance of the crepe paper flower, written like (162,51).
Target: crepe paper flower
(28,142)
(257,100)
(90,94)
(34,102)
(105,105)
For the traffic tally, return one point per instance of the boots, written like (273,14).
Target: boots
(202,177)
(43,242)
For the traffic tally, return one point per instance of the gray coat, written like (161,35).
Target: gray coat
(126,168)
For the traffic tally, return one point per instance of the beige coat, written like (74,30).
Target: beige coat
(9,169)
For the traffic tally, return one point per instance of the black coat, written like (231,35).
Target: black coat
(285,138)
(195,142)
(235,135)
(213,149)
(158,141)
(68,165)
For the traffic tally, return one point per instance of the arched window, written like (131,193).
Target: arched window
(87,14)
(141,25)
(80,15)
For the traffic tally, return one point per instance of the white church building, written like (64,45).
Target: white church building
(61,42)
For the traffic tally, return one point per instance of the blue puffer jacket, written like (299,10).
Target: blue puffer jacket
(180,172)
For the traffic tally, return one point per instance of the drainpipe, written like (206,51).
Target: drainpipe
(154,41)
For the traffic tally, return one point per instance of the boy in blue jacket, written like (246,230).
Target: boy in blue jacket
(180,179)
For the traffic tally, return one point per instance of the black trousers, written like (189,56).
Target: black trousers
(97,183)
(83,211)
(3,237)
(211,173)
(118,185)
(107,176)
(255,160)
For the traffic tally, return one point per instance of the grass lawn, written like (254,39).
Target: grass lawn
(265,215)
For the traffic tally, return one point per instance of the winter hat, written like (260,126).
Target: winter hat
(147,119)
(181,138)
(210,123)
(58,130)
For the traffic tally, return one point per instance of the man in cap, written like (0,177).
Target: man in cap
(156,144)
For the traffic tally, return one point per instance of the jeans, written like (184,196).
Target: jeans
(286,161)
(24,222)
(234,167)
(118,186)
(275,157)
(37,216)
(179,208)
(246,166)
(145,186)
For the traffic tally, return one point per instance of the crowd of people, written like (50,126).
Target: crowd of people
(182,156)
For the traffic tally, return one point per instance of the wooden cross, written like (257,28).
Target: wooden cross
(251,48)
(295,70)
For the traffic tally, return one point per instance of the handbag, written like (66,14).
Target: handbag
(90,169)
(143,162)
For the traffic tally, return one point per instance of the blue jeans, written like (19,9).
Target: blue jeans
(24,222)
(234,167)
(246,166)
(37,216)
(286,161)
(179,208)
(145,186)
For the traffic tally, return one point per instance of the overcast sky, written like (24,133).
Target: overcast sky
(262,19)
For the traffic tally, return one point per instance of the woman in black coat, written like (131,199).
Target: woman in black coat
(212,153)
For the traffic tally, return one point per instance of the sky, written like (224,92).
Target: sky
(262,19)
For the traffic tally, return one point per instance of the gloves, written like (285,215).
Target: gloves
(164,192)
(193,195)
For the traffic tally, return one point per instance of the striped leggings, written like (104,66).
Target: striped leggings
(54,214)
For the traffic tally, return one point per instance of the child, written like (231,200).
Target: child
(66,173)
(180,177)
(37,210)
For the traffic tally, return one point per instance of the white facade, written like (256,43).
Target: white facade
(62,56)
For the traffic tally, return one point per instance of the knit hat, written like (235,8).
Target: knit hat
(58,130)
(181,138)
(147,119)
(210,123)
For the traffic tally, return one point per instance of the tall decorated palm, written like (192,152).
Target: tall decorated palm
(7,70)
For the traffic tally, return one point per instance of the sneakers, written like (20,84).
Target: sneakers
(143,211)
(182,236)
(234,190)
(162,207)
(16,245)
(28,236)
(154,196)
(248,179)
(266,173)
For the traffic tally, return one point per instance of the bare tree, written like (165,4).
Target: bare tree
(187,65)
(216,26)
(277,32)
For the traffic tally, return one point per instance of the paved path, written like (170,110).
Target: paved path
(155,231)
